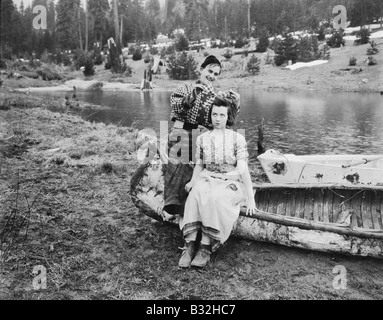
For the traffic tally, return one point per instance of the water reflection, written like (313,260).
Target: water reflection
(300,123)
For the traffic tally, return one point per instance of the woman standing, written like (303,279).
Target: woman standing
(191,104)
(220,184)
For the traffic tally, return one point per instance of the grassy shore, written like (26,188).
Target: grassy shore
(336,75)
(65,205)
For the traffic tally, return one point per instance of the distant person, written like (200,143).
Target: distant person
(220,184)
(191,104)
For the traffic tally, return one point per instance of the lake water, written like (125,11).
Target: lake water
(300,123)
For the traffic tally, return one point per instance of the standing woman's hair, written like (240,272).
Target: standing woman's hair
(231,110)
(211,60)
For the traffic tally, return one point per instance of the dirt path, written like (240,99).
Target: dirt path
(70,179)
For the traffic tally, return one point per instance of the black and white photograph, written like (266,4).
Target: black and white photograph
(191,156)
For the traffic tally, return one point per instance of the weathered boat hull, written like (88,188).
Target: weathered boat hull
(322,218)
(337,169)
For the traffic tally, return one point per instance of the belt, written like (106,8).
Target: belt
(184,125)
(224,177)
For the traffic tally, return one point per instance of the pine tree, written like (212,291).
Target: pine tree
(7,12)
(99,23)
(68,23)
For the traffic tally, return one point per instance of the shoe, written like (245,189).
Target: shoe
(187,254)
(202,258)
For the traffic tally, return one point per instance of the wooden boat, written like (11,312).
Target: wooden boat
(317,217)
(335,169)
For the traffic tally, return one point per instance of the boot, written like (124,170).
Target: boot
(187,254)
(202,257)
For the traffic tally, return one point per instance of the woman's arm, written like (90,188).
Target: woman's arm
(197,170)
(180,99)
(243,170)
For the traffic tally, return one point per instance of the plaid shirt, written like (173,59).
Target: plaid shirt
(192,106)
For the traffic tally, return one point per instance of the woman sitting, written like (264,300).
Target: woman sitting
(220,184)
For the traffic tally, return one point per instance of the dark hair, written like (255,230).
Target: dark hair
(231,110)
(211,60)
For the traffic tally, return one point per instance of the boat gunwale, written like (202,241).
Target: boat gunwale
(295,185)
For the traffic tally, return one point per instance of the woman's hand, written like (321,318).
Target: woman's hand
(189,186)
(251,207)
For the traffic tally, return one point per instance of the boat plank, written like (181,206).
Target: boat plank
(300,204)
(318,205)
(327,205)
(274,197)
(336,207)
(321,204)
(347,205)
(257,195)
(375,209)
(281,208)
(262,200)
(366,210)
(290,205)
(357,204)
(309,205)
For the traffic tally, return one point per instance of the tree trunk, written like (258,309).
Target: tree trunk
(122,21)
(79,27)
(86,26)
(116,24)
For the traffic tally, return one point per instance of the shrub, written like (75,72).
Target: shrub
(137,54)
(108,65)
(279,60)
(321,33)
(253,65)
(48,74)
(371,61)
(373,49)
(182,67)
(89,66)
(308,48)
(336,40)
(97,56)
(163,53)
(30,74)
(33,63)
(286,50)
(80,59)
(363,36)
(115,61)
(239,43)
(324,52)
(352,61)
(3,65)
(153,51)
(66,60)
(170,50)
(263,43)
(181,44)
(227,54)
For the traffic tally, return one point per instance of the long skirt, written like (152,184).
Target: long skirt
(213,205)
(181,148)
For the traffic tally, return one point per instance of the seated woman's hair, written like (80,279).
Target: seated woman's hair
(231,110)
